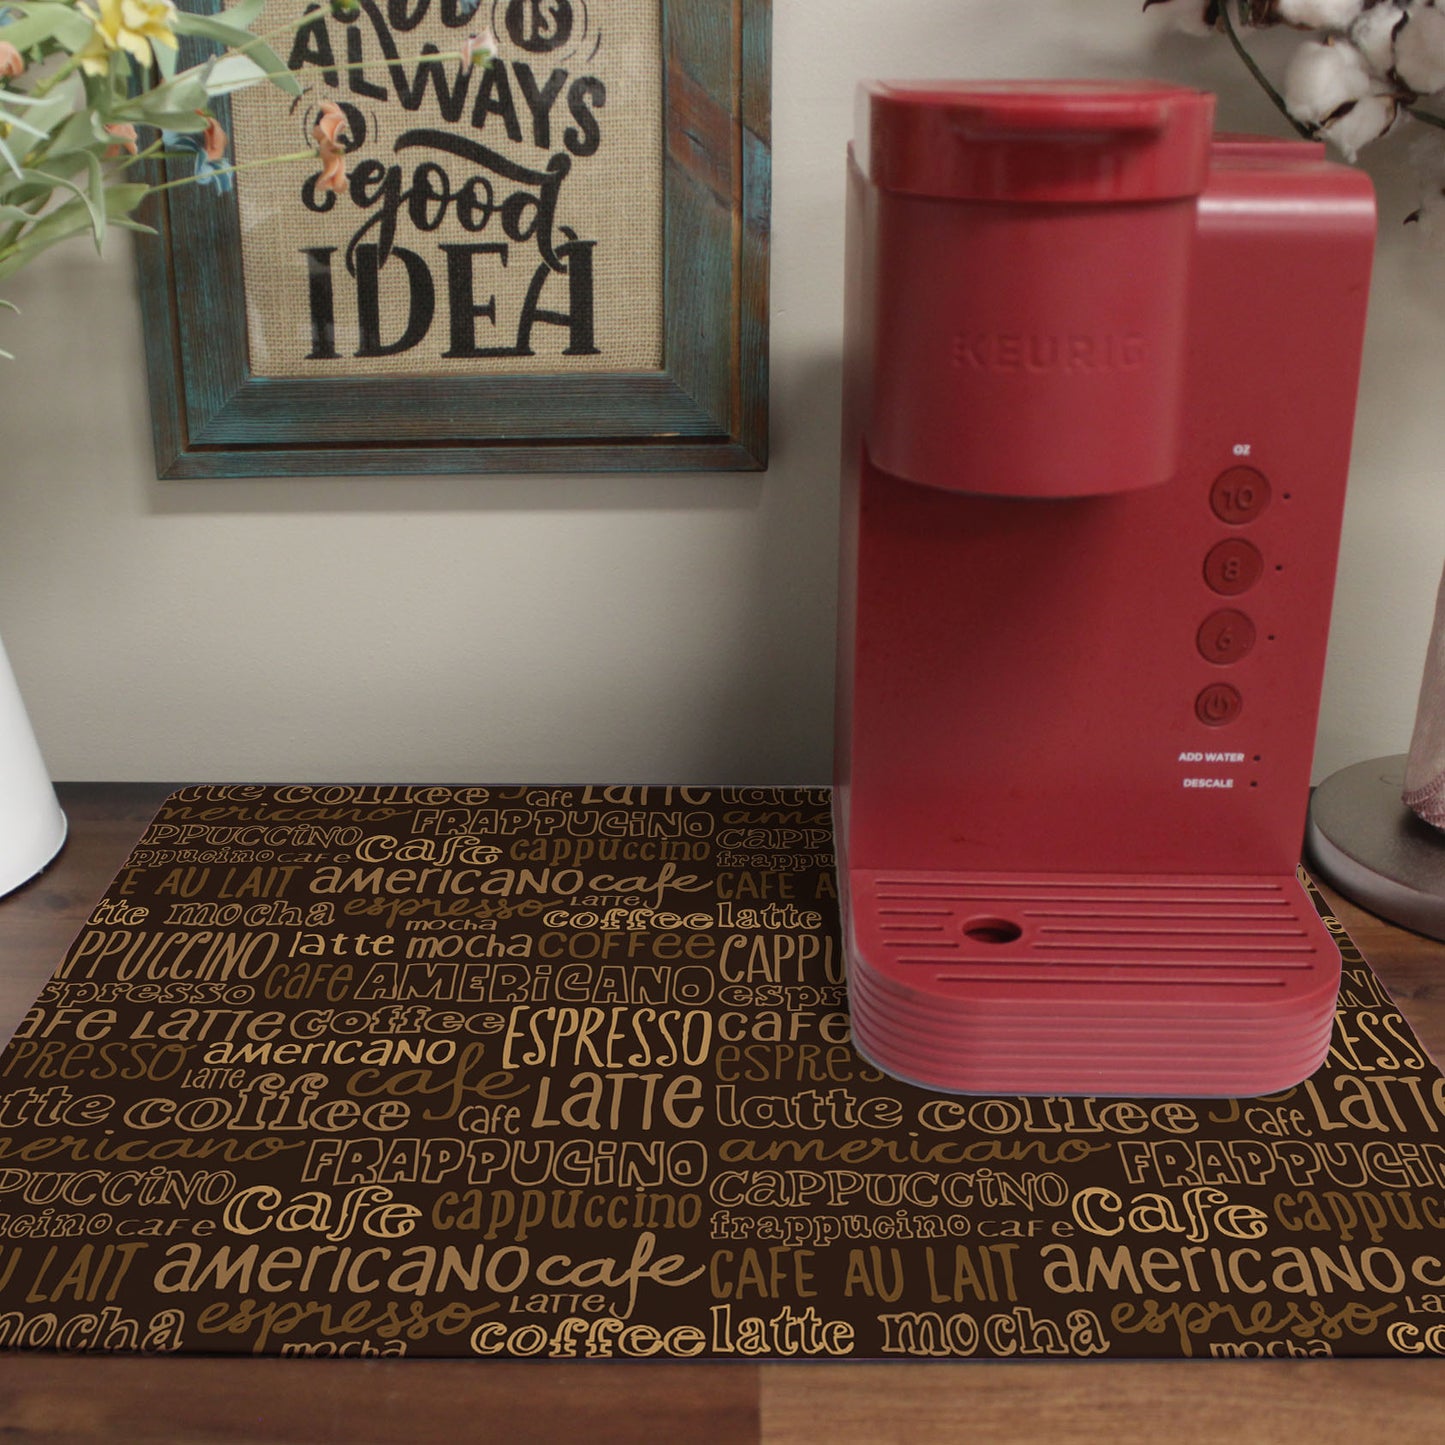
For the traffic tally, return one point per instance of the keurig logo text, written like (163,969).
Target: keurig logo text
(1068,355)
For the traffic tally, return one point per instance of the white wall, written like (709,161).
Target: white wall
(640,627)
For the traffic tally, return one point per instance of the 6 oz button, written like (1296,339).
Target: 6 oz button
(1239,495)
(1225,637)
(1233,566)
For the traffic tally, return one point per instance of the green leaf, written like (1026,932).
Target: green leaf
(269,65)
(171,106)
(162,119)
(19,97)
(274,68)
(17,191)
(120,201)
(22,125)
(44,175)
(83,129)
(64,24)
(96,191)
(166,57)
(244,15)
(97,218)
(236,72)
(213,27)
(125,223)
(65,221)
(51,110)
(40,118)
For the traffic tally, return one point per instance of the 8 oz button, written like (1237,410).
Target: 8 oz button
(1225,636)
(1218,704)
(1239,495)
(1233,566)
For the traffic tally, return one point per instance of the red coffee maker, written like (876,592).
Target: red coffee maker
(1100,380)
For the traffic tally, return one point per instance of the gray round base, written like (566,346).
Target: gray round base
(1363,841)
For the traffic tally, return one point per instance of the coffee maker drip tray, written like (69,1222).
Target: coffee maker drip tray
(1159,985)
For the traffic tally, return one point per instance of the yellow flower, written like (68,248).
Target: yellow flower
(129,25)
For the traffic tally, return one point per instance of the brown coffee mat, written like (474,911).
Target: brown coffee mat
(565,1073)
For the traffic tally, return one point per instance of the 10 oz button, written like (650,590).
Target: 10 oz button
(1239,495)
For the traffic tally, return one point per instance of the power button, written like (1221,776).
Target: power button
(1218,704)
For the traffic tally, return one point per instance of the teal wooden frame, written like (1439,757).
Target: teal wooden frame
(705,410)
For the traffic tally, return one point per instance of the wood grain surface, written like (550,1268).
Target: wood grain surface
(247,1401)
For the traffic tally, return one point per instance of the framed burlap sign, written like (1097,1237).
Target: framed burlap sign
(552,259)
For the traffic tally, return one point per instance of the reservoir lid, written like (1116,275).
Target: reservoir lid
(1080,141)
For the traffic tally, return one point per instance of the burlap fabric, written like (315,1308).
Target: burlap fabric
(502,220)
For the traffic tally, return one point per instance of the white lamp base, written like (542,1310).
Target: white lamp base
(32,827)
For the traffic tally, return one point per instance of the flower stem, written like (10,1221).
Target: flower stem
(1424,117)
(154,151)
(1263,80)
(477,59)
(45,86)
(231,170)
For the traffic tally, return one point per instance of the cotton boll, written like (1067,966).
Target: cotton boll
(1366,121)
(1329,88)
(1322,76)
(1373,35)
(1420,50)
(1320,14)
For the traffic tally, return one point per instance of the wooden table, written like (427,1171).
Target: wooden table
(128,1401)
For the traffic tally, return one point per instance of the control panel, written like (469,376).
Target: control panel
(1233,566)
